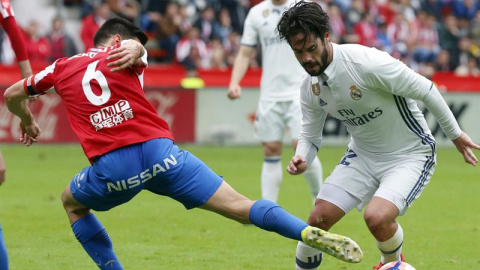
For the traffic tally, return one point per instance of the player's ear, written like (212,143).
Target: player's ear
(117,39)
(327,36)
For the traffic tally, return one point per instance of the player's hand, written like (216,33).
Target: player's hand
(465,146)
(234,91)
(297,165)
(124,56)
(30,132)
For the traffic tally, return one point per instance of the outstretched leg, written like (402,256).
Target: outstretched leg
(90,233)
(269,216)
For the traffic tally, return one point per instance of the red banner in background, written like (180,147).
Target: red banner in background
(176,106)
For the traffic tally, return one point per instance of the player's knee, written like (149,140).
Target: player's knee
(67,200)
(320,219)
(375,221)
(272,149)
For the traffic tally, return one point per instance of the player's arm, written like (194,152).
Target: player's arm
(435,103)
(25,68)
(240,66)
(131,53)
(395,77)
(18,45)
(16,101)
(310,138)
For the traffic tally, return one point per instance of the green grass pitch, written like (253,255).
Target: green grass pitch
(442,228)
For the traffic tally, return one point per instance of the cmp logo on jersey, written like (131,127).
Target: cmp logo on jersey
(112,115)
(355,93)
(316,89)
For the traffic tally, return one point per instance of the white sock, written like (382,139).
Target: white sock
(314,177)
(272,176)
(307,258)
(392,248)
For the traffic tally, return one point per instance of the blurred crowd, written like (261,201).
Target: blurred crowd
(427,35)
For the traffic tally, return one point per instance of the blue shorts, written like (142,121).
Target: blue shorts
(157,165)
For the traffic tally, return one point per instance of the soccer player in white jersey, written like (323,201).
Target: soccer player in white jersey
(391,156)
(278,106)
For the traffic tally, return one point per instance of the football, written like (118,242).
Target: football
(397,265)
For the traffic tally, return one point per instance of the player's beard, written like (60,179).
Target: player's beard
(323,59)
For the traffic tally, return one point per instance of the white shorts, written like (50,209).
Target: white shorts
(274,117)
(399,179)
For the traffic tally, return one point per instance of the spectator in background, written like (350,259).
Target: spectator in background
(169,29)
(205,23)
(61,43)
(223,28)
(354,15)
(426,46)
(127,9)
(191,50)
(337,24)
(398,33)
(91,23)
(192,8)
(366,31)
(231,51)
(474,32)
(383,42)
(465,50)
(443,63)
(238,12)
(448,37)
(463,24)
(470,68)
(433,7)
(216,54)
(151,15)
(38,48)
(465,8)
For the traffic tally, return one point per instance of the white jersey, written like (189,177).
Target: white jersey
(281,71)
(374,95)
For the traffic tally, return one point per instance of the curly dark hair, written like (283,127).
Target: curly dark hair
(306,18)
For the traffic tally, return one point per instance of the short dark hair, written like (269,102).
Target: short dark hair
(120,26)
(306,18)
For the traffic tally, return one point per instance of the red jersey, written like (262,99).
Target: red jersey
(107,110)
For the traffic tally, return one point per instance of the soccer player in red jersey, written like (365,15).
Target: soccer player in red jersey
(10,26)
(131,148)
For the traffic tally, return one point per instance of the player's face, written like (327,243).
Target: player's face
(313,53)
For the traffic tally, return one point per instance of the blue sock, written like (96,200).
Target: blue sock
(270,216)
(96,242)
(3,252)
